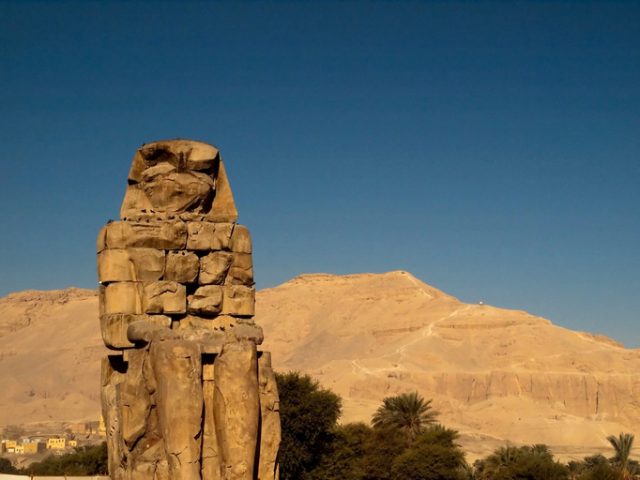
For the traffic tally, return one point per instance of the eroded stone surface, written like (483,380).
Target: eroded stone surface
(182,267)
(132,264)
(160,235)
(164,297)
(214,268)
(190,397)
(114,327)
(206,300)
(239,300)
(207,236)
(241,240)
(241,270)
(123,297)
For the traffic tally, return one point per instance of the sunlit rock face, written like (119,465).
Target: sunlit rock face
(186,394)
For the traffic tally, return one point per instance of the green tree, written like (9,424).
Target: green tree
(6,466)
(433,455)
(347,456)
(622,446)
(308,414)
(520,463)
(359,452)
(408,412)
(595,467)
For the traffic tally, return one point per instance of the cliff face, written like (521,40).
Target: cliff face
(494,374)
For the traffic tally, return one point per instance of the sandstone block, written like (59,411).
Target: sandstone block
(182,267)
(241,240)
(214,268)
(101,241)
(206,300)
(123,297)
(238,300)
(133,264)
(209,236)
(166,235)
(241,270)
(164,297)
(114,327)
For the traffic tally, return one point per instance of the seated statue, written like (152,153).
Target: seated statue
(186,395)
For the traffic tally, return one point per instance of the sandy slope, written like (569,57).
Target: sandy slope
(494,374)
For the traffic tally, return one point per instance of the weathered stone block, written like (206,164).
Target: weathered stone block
(214,268)
(182,267)
(101,241)
(209,235)
(241,270)
(123,297)
(165,235)
(238,300)
(194,322)
(164,297)
(114,327)
(241,240)
(206,300)
(133,264)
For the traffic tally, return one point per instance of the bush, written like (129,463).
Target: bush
(6,466)
(90,460)
(516,463)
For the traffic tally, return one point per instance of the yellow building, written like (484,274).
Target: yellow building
(19,450)
(33,447)
(9,446)
(102,429)
(72,443)
(56,443)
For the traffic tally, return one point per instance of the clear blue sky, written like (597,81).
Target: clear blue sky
(491,149)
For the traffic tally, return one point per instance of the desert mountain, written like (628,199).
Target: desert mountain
(494,374)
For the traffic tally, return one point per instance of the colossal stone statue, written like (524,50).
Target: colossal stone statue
(187,395)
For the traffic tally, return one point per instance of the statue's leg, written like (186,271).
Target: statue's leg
(269,419)
(211,462)
(237,409)
(111,414)
(177,368)
(149,451)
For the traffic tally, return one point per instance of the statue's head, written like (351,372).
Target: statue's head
(177,177)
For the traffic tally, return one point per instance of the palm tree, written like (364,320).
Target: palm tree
(622,446)
(408,412)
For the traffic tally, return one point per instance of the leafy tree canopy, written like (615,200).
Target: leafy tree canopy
(308,414)
(408,412)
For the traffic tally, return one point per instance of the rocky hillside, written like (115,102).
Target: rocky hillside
(50,347)
(494,374)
